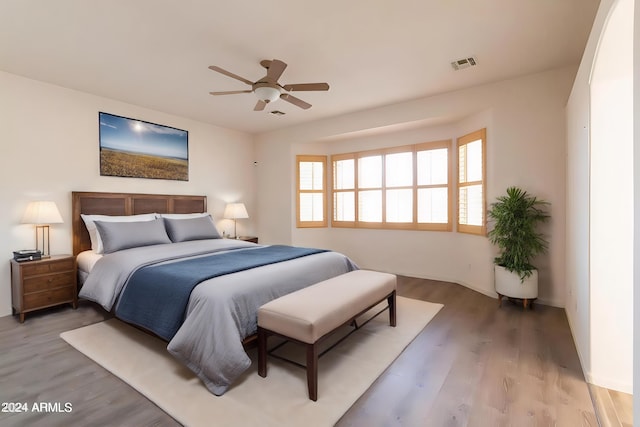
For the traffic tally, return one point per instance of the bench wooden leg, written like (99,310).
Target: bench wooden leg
(392,308)
(262,352)
(312,371)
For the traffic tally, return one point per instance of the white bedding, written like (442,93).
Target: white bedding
(86,260)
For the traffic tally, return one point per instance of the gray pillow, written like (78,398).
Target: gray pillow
(124,235)
(181,230)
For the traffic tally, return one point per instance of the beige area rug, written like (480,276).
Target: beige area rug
(280,399)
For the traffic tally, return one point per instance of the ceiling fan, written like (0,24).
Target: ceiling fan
(267,89)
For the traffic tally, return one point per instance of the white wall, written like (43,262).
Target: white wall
(611,212)
(577,235)
(525,125)
(577,205)
(599,217)
(49,147)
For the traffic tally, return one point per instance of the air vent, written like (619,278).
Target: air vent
(463,63)
(277,113)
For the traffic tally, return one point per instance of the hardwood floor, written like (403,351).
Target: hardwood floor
(474,365)
(613,408)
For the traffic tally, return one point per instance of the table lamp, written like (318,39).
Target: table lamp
(235,211)
(41,214)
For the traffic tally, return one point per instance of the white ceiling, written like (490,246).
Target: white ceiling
(155,53)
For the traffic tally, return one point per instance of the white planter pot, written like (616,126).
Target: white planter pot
(508,284)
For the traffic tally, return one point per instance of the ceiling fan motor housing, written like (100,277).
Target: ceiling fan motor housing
(266,92)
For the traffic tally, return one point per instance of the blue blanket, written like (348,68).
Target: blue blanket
(156,296)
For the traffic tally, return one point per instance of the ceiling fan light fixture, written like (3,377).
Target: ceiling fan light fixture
(267,93)
(267,89)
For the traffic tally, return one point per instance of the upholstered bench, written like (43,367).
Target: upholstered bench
(311,314)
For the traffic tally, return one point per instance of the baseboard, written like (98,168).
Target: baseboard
(623,387)
(585,373)
(488,293)
(551,303)
(491,294)
(588,376)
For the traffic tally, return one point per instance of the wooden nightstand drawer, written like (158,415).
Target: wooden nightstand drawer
(47,267)
(43,283)
(45,299)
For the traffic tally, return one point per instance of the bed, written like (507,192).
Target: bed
(144,284)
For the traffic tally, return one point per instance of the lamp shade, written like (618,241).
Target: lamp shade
(42,213)
(235,211)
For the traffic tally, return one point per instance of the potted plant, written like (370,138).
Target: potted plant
(516,217)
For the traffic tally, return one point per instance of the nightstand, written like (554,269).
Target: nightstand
(44,283)
(251,239)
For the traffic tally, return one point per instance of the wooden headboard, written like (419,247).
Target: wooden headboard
(91,203)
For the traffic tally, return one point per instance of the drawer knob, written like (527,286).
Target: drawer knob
(50,280)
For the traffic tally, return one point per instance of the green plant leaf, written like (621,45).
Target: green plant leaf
(515,218)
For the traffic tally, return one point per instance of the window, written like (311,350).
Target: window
(311,198)
(344,186)
(471,183)
(433,186)
(401,188)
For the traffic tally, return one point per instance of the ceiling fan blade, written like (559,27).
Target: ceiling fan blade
(230,92)
(230,74)
(260,105)
(275,70)
(295,101)
(306,86)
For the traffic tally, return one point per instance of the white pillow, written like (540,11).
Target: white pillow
(183,216)
(96,241)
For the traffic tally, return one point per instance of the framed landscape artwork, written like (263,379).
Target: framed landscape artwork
(139,149)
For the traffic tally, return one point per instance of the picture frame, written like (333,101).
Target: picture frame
(139,149)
